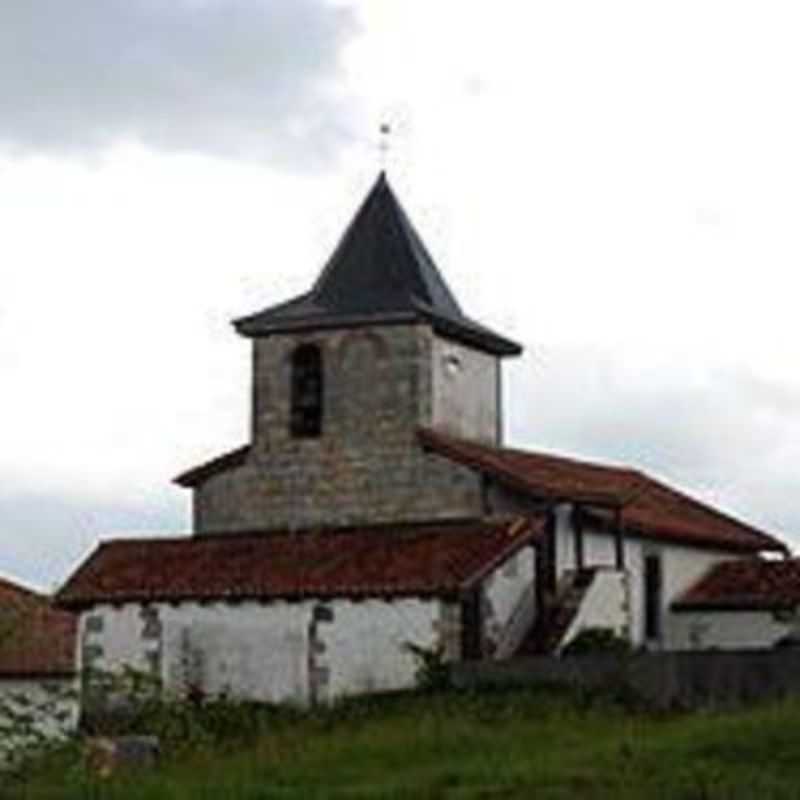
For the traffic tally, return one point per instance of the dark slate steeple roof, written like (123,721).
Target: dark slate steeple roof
(379,274)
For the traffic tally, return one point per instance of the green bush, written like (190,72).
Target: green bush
(433,672)
(597,640)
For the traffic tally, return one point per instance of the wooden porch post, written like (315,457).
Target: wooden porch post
(545,562)
(577,526)
(619,538)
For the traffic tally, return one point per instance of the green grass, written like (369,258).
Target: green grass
(499,745)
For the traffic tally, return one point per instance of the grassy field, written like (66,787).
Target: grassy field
(510,745)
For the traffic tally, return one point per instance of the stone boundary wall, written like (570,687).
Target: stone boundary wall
(675,680)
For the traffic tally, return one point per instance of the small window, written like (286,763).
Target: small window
(452,365)
(306,392)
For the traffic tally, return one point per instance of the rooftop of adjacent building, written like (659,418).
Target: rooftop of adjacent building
(36,639)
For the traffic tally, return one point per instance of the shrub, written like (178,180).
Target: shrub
(433,672)
(597,640)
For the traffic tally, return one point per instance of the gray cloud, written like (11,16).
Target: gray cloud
(241,78)
(721,434)
(47,535)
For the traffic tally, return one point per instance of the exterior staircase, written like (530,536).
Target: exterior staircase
(557,615)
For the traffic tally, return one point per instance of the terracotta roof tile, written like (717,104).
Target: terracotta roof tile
(431,559)
(548,476)
(36,639)
(648,507)
(747,583)
(662,512)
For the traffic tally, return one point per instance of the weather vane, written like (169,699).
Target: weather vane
(383,146)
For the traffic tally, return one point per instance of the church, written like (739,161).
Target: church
(376,510)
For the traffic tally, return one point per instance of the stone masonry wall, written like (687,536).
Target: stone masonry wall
(367,466)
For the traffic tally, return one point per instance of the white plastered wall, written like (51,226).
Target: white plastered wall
(565,539)
(681,567)
(247,650)
(466,391)
(365,644)
(510,598)
(605,605)
(275,652)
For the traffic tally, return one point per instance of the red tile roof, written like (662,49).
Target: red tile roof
(36,640)
(547,476)
(746,583)
(430,559)
(661,512)
(648,508)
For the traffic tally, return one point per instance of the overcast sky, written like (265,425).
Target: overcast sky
(613,184)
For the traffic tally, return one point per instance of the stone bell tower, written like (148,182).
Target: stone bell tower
(343,378)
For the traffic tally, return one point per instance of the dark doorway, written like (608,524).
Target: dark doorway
(472,625)
(653,580)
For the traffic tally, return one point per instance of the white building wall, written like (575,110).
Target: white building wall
(273,652)
(726,630)
(506,585)
(247,650)
(510,600)
(599,549)
(365,644)
(466,391)
(565,540)
(681,566)
(605,605)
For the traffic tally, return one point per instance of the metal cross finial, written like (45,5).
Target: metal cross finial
(383,146)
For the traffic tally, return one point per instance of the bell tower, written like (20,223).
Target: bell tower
(379,323)
(343,378)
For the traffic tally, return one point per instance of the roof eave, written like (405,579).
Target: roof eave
(87,601)
(253,328)
(489,342)
(257,327)
(196,475)
(661,534)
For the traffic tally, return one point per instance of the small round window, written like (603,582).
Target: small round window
(452,365)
